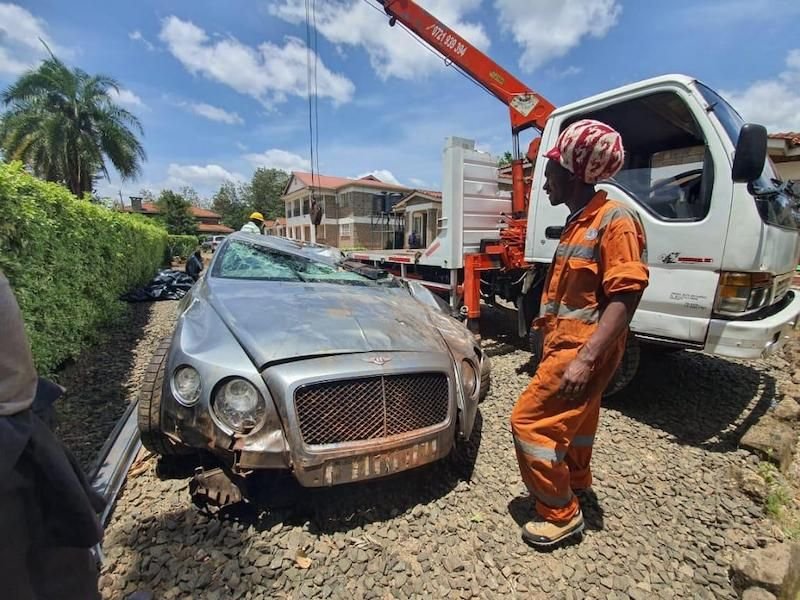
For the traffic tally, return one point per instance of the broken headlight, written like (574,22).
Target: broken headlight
(238,405)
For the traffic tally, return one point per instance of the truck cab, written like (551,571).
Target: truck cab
(722,250)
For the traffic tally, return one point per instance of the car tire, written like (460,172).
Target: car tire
(623,375)
(149,410)
(486,378)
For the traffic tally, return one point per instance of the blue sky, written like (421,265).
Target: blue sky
(220,87)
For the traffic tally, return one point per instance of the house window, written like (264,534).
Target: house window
(297,208)
(346,230)
(306,206)
(289,211)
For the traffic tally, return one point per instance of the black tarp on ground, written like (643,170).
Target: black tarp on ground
(169,284)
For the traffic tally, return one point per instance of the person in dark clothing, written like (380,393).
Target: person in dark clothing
(194,266)
(48,510)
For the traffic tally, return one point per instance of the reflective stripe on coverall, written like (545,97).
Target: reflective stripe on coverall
(601,253)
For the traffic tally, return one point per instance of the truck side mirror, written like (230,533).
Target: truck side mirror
(751,153)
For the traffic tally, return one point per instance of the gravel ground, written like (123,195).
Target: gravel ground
(667,519)
(105,378)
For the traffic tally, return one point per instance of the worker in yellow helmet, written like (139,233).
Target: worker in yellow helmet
(255,224)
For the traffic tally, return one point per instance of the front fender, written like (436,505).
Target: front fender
(463,346)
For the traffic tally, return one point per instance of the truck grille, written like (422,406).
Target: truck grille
(371,407)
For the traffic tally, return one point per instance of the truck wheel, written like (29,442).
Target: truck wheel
(622,377)
(536,346)
(627,367)
(149,412)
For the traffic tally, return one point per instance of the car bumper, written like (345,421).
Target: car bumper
(755,338)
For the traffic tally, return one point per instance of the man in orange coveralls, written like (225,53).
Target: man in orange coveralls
(592,289)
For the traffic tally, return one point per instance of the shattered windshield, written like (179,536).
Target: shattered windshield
(244,260)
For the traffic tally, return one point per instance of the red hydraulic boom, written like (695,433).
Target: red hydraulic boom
(527,110)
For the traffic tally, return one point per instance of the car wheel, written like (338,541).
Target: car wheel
(149,412)
(486,378)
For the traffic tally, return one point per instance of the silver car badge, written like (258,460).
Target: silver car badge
(378,360)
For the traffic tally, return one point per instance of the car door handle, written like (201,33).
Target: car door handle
(553,232)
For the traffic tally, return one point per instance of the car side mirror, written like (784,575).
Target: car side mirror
(751,153)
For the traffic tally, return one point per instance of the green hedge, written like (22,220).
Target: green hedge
(68,261)
(181,246)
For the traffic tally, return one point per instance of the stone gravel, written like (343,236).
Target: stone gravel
(667,520)
(105,378)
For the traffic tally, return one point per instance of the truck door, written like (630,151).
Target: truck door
(676,178)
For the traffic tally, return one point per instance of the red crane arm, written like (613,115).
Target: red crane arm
(527,108)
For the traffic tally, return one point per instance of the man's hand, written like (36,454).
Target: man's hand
(576,378)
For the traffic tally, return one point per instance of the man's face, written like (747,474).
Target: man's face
(557,182)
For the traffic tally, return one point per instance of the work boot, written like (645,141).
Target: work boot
(541,533)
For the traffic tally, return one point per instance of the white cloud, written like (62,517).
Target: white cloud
(775,103)
(385,175)
(279,159)
(268,72)
(198,175)
(419,183)
(20,48)
(391,51)
(126,98)
(546,29)
(213,113)
(570,71)
(137,36)
(728,13)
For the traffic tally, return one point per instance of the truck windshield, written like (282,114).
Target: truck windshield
(775,206)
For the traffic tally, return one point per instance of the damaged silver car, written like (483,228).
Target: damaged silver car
(286,357)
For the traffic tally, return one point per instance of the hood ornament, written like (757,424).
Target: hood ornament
(378,360)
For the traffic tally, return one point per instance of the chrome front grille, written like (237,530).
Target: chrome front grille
(370,408)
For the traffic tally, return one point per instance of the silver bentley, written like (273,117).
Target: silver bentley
(285,356)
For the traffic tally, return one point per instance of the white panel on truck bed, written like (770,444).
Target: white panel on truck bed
(472,203)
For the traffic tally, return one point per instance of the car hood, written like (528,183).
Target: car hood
(278,322)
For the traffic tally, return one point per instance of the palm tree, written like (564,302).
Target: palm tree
(64,125)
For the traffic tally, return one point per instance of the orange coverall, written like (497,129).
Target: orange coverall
(601,253)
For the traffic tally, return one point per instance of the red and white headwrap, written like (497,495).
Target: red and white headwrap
(590,150)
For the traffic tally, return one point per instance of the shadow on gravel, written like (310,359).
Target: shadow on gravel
(97,394)
(521,510)
(703,401)
(278,498)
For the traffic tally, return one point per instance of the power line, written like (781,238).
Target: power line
(311,92)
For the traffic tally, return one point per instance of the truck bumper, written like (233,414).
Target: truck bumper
(755,338)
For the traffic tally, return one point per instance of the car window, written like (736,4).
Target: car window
(244,260)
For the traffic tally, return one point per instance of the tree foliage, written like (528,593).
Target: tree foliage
(65,126)
(174,211)
(262,194)
(505,160)
(266,188)
(231,202)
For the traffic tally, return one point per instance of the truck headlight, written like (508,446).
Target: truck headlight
(743,292)
(238,405)
(469,378)
(186,385)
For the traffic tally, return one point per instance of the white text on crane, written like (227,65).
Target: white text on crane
(440,34)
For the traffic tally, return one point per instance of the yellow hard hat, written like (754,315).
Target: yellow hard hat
(256,216)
